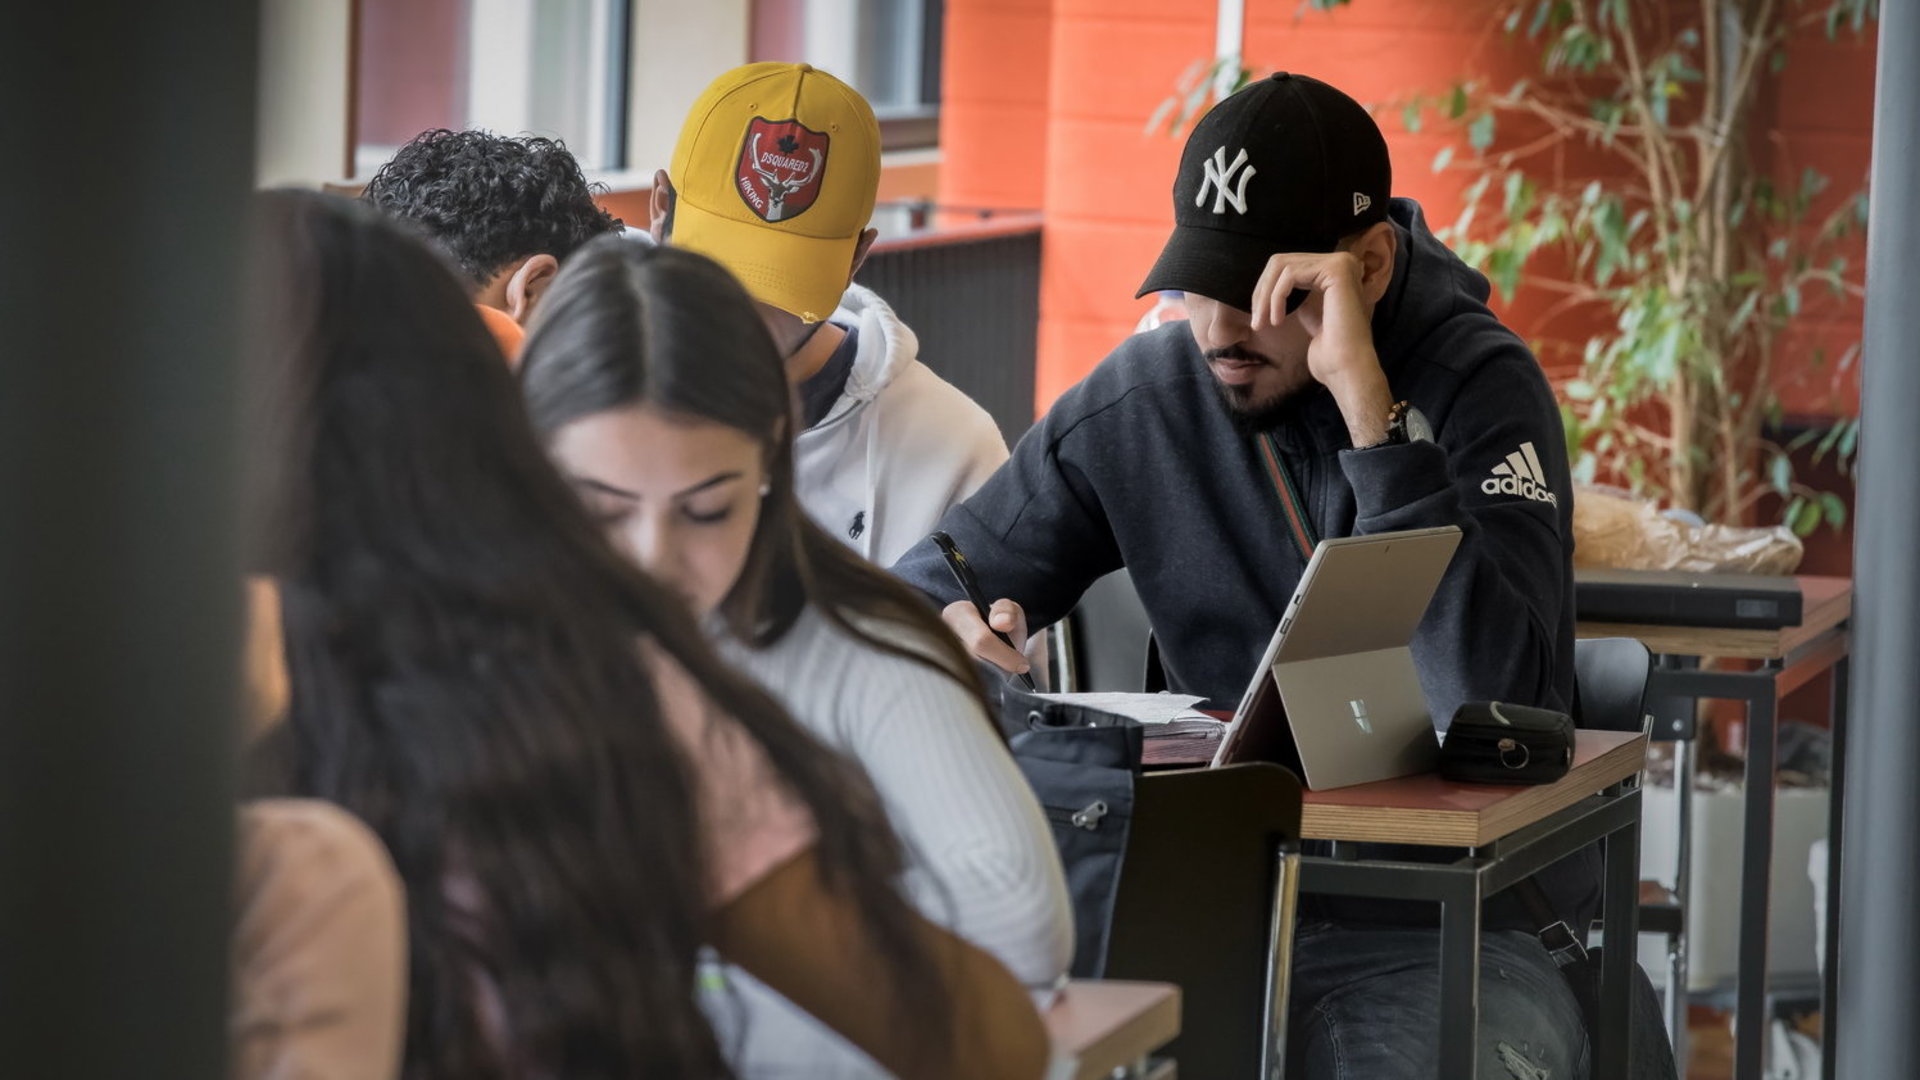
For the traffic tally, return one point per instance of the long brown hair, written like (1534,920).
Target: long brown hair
(465,678)
(627,323)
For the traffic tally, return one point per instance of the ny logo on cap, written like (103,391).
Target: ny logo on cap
(1218,174)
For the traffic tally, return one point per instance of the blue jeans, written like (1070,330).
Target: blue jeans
(1365,1006)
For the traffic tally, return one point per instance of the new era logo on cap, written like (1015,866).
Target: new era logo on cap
(1522,475)
(1360,203)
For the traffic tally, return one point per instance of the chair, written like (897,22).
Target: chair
(1206,900)
(1610,683)
(1104,643)
(1610,686)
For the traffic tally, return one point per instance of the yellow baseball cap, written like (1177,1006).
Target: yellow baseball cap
(774,177)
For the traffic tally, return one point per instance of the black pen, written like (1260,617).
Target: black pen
(963,574)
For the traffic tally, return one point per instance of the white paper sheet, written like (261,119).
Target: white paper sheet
(1144,708)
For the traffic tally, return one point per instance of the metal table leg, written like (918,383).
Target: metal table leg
(1756,865)
(1758,690)
(1836,801)
(1613,1039)
(1678,956)
(1682,729)
(1460,977)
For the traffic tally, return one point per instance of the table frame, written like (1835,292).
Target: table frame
(1760,690)
(1459,887)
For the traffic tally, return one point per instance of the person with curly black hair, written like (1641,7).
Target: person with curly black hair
(506,209)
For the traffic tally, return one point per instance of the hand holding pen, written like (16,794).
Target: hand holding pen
(972,619)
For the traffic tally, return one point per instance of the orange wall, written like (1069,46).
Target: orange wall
(1108,183)
(993,106)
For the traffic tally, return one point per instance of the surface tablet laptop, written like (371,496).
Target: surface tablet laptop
(1336,696)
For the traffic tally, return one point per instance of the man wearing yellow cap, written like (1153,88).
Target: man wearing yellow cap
(775,177)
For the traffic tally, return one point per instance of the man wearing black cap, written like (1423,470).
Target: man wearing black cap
(1339,375)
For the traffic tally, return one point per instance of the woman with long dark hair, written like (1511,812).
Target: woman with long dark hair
(575,793)
(663,398)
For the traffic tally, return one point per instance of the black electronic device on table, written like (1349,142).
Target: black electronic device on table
(1679,598)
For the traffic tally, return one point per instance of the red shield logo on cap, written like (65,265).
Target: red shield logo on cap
(781,163)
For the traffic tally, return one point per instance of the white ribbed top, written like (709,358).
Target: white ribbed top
(981,859)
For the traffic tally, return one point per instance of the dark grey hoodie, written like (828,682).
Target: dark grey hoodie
(1140,465)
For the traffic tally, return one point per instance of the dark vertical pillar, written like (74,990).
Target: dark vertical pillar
(1880,874)
(123,189)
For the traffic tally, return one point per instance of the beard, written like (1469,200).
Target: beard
(1253,415)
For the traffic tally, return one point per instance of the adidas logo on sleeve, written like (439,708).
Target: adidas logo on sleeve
(1521,474)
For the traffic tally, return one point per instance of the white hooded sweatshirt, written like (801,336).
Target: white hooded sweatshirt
(898,449)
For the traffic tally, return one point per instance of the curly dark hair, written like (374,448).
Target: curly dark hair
(465,652)
(490,199)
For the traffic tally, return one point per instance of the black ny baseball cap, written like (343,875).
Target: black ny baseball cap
(1286,164)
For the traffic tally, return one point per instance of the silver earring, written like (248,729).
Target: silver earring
(766,488)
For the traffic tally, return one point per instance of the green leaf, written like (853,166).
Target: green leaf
(1835,509)
(1442,159)
(1480,132)
(1540,16)
(1515,195)
(1780,473)
(1805,518)
(1457,102)
(1777,62)
(1587,470)
(1744,313)
(1410,116)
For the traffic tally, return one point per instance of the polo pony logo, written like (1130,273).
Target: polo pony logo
(781,165)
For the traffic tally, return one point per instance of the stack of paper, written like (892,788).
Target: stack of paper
(1142,708)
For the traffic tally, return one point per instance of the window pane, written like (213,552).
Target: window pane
(889,50)
(544,67)
(890,54)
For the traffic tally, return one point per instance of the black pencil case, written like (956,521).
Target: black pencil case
(1492,742)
